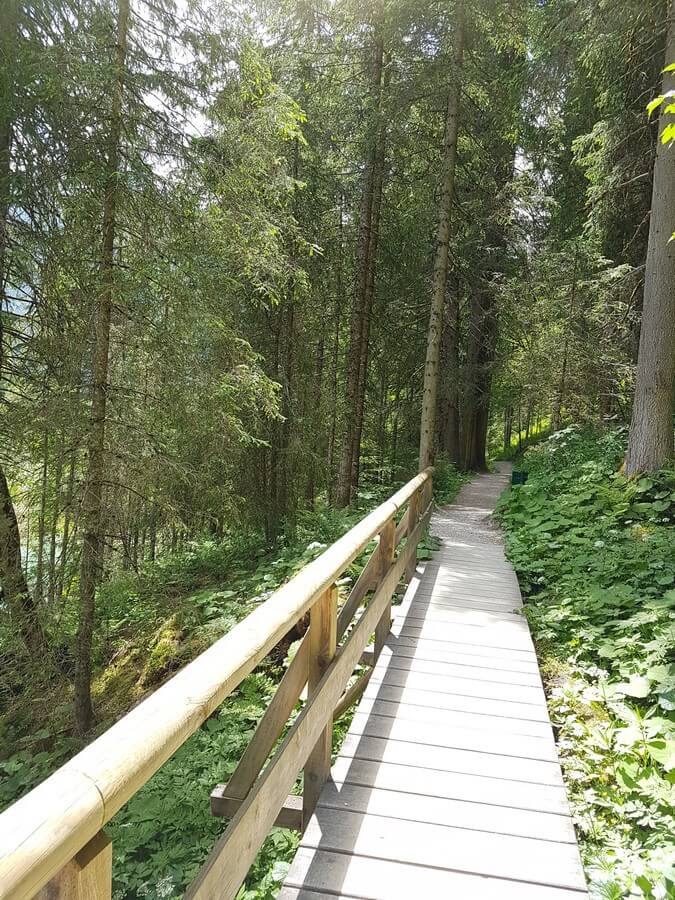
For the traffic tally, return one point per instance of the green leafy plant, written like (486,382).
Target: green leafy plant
(594,554)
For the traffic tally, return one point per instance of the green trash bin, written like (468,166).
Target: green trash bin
(518,477)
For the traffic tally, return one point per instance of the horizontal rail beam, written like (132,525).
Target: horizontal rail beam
(43,831)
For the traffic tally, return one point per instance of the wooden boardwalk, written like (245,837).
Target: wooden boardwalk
(448,784)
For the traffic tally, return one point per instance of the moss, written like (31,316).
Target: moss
(166,653)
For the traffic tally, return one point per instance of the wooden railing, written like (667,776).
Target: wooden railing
(51,841)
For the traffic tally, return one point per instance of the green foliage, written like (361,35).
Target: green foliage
(447,481)
(595,556)
(162,836)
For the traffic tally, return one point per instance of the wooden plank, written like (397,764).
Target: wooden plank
(344,875)
(448,615)
(451,718)
(459,702)
(441,811)
(455,601)
(304,894)
(455,684)
(402,527)
(461,670)
(413,515)
(511,638)
(427,648)
(387,550)
(88,876)
(445,847)
(366,582)
(438,735)
(270,727)
(494,790)
(426,756)
(352,694)
(322,645)
(290,814)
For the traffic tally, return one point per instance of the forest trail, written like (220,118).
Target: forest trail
(448,783)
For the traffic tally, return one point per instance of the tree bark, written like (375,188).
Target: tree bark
(378,183)
(359,310)
(448,407)
(15,588)
(92,499)
(440,270)
(650,442)
(562,383)
(481,354)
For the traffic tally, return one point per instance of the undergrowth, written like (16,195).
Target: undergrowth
(595,555)
(150,624)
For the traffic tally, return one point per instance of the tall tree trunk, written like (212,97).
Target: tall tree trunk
(9,22)
(562,383)
(54,526)
(316,415)
(481,353)
(13,579)
(359,309)
(440,271)
(68,517)
(15,588)
(448,407)
(92,499)
(378,182)
(40,562)
(650,442)
(335,358)
(508,427)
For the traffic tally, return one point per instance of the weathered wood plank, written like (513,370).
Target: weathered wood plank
(454,600)
(441,811)
(322,638)
(459,702)
(387,551)
(490,657)
(449,667)
(427,756)
(385,880)
(456,684)
(476,618)
(493,790)
(289,816)
(427,648)
(446,847)
(451,718)
(438,735)
(88,876)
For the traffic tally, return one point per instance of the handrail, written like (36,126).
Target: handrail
(46,830)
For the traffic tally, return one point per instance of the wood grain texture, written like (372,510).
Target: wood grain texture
(448,782)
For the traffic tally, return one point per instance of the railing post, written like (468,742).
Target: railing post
(88,876)
(322,644)
(413,517)
(387,549)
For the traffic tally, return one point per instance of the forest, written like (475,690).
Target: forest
(260,263)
